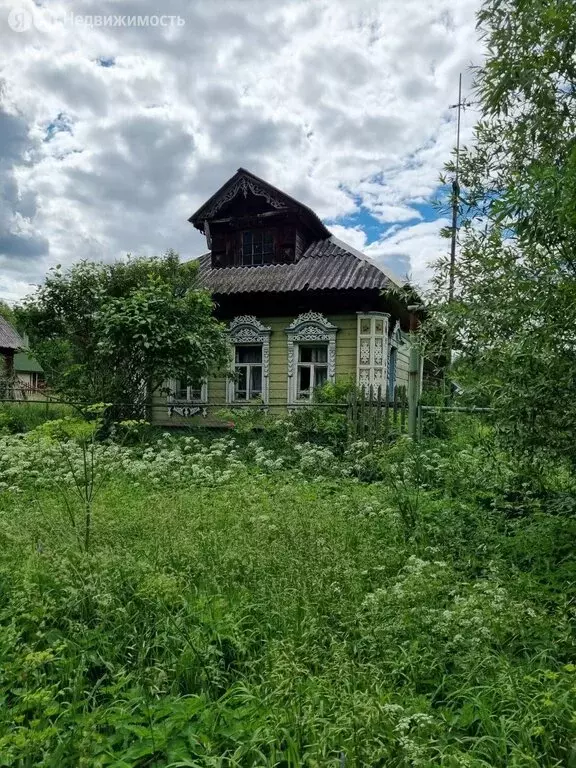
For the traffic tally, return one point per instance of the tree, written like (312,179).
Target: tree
(7,312)
(514,313)
(116,332)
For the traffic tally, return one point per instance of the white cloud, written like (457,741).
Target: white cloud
(354,236)
(342,103)
(410,251)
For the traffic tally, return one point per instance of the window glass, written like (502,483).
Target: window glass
(255,381)
(312,369)
(313,354)
(303,381)
(257,247)
(191,390)
(320,376)
(249,354)
(249,377)
(241,380)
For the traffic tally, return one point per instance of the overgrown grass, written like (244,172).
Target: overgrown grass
(26,415)
(274,618)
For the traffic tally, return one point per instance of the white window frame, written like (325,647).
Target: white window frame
(174,386)
(309,328)
(372,352)
(311,366)
(248,366)
(247,330)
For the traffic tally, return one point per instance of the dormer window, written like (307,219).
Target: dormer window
(257,248)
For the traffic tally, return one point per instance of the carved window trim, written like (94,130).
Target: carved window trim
(245,330)
(309,328)
(372,350)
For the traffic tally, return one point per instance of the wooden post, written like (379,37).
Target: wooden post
(378,420)
(413,380)
(354,413)
(371,416)
(386,414)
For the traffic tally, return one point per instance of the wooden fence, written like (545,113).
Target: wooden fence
(374,414)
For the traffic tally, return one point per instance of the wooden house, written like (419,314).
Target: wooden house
(301,307)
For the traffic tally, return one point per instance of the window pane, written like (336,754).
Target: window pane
(320,375)
(365,325)
(379,325)
(268,243)
(313,354)
(303,380)
(181,391)
(249,354)
(255,381)
(240,388)
(320,354)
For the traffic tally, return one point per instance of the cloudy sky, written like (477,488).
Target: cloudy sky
(111,136)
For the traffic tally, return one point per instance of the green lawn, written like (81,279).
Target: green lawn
(271,620)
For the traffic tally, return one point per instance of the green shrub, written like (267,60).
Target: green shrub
(26,415)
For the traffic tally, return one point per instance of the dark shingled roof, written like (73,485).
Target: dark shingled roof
(9,338)
(326,265)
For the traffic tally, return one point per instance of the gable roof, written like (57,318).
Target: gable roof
(327,264)
(243,182)
(9,337)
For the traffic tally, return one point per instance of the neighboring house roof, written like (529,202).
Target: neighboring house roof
(9,337)
(23,363)
(327,264)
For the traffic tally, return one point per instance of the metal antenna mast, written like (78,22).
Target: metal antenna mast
(456,191)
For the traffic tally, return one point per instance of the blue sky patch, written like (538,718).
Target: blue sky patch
(61,124)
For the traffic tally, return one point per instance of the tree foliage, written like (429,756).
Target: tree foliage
(514,314)
(116,332)
(7,312)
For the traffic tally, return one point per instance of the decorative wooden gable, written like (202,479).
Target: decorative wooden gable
(250,223)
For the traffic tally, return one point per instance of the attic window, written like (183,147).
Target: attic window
(257,248)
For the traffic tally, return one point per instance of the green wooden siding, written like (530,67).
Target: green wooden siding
(278,383)
(403,362)
(346,359)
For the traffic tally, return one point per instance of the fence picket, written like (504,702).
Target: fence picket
(403,409)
